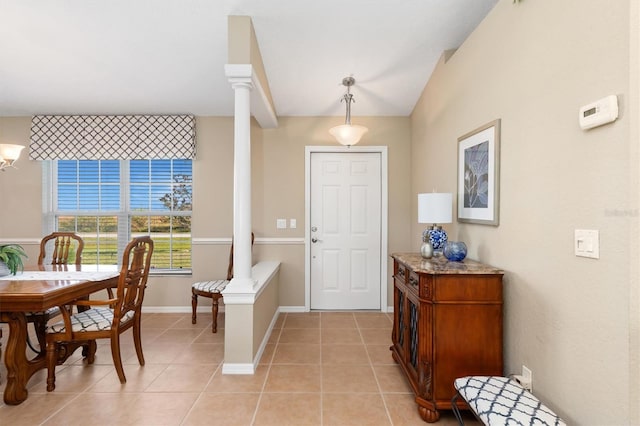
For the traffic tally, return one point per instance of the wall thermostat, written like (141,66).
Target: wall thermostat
(599,112)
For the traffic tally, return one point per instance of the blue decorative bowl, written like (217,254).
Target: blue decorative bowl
(455,251)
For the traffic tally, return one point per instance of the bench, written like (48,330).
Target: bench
(499,401)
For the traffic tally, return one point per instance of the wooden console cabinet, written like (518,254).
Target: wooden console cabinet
(447,324)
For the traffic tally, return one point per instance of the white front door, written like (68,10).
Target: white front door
(345,230)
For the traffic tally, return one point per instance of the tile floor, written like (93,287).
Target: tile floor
(319,368)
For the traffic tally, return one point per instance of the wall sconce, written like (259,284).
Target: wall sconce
(9,153)
(348,134)
(434,208)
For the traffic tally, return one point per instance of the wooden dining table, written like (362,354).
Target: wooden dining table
(37,289)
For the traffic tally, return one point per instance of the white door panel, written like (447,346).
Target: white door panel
(345,230)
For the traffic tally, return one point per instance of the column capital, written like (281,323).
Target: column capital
(243,76)
(239,74)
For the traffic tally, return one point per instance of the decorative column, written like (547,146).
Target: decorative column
(242,85)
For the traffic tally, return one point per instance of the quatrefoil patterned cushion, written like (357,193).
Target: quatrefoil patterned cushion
(502,401)
(211,286)
(95,319)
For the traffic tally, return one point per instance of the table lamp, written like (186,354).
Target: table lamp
(434,208)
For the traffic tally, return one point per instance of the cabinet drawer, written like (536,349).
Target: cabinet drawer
(401,272)
(422,285)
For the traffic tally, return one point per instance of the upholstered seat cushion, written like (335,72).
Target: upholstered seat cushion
(211,286)
(94,319)
(501,401)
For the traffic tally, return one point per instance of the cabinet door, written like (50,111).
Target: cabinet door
(399,336)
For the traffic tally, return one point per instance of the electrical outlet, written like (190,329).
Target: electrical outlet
(527,378)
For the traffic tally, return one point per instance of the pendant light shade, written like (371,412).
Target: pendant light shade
(348,134)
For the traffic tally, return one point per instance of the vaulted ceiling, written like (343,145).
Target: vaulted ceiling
(168,56)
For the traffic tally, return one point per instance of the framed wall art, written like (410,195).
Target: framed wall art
(479,175)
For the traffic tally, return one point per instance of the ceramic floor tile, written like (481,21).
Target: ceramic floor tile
(319,368)
(373,320)
(295,353)
(183,378)
(208,337)
(380,354)
(35,410)
(76,378)
(344,354)
(159,409)
(357,409)
(376,336)
(267,355)
(202,321)
(155,353)
(302,321)
(237,383)
(160,320)
(340,335)
(300,335)
(93,408)
(213,409)
(292,409)
(183,336)
(138,379)
(337,320)
(293,378)
(391,378)
(348,378)
(201,353)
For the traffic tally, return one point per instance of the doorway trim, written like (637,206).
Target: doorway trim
(384,201)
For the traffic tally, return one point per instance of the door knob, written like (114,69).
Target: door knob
(314,240)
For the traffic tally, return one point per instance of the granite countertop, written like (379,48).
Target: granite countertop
(440,265)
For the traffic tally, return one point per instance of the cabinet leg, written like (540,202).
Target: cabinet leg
(428,415)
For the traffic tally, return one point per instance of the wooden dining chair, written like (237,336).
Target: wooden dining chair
(61,244)
(106,319)
(213,290)
(54,248)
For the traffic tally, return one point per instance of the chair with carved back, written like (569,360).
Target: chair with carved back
(106,319)
(55,249)
(213,290)
(61,243)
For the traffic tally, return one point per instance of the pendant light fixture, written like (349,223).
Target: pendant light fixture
(348,134)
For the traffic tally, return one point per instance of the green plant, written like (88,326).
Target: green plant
(12,255)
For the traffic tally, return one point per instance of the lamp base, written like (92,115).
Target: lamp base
(437,237)
(426,250)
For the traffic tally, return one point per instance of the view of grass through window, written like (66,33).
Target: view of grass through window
(159,198)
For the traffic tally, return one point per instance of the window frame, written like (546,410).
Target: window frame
(51,212)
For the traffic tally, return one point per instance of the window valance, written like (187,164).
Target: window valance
(112,137)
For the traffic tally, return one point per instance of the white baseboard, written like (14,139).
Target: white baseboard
(246,368)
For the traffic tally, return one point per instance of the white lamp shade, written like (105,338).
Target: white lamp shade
(435,208)
(9,152)
(348,134)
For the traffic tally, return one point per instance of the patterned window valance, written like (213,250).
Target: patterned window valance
(112,137)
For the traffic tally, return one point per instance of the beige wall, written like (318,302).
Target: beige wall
(533,64)
(277,192)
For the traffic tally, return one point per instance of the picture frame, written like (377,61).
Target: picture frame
(479,175)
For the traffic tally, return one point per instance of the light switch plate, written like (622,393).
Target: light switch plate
(281,223)
(587,243)
(293,223)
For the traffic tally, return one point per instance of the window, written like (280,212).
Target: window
(108,202)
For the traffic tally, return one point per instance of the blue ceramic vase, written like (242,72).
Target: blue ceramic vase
(455,251)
